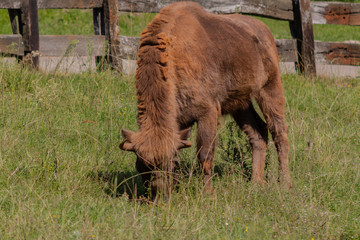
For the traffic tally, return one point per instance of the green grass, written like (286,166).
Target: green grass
(60,166)
(322,32)
(66,22)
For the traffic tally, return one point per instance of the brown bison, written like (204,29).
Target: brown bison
(193,67)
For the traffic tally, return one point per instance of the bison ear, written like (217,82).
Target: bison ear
(185,134)
(126,145)
(127,134)
(184,144)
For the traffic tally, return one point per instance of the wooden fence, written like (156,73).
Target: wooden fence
(26,44)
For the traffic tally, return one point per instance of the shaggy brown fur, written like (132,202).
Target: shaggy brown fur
(194,67)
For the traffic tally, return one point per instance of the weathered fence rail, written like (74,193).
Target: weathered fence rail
(26,40)
(280,9)
(107,41)
(335,13)
(55,4)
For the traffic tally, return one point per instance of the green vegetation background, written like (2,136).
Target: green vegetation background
(62,175)
(65,22)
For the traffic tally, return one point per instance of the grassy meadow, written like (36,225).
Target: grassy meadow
(62,175)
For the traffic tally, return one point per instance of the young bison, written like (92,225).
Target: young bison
(193,67)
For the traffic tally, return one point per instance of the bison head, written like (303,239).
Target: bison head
(156,157)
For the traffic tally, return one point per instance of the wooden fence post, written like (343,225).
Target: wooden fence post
(111,17)
(16,25)
(15,20)
(106,23)
(30,26)
(302,30)
(99,29)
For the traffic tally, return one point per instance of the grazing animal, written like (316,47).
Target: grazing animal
(193,67)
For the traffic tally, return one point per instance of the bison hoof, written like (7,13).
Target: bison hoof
(209,189)
(259,181)
(286,183)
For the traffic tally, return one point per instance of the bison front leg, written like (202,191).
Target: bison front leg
(206,139)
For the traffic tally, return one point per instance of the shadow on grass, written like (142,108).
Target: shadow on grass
(121,183)
(129,183)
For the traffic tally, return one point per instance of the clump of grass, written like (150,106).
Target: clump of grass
(235,151)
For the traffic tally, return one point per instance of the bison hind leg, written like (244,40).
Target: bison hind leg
(256,130)
(272,103)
